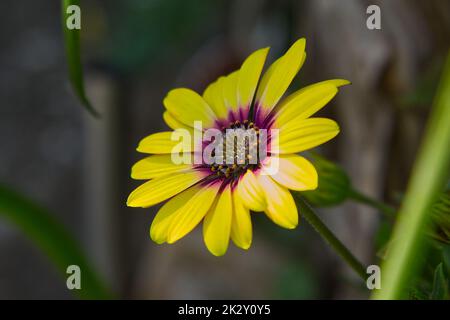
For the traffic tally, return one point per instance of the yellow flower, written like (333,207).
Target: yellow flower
(222,194)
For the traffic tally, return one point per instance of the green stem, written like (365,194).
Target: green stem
(387,210)
(73,56)
(429,176)
(329,237)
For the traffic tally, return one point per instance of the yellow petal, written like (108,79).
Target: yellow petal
(162,188)
(187,106)
(174,123)
(230,94)
(306,134)
(213,95)
(294,172)
(303,103)
(279,76)
(281,207)
(241,224)
(251,192)
(249,76)
(176,141)
(156,166)
(168,212)
(217,224)
(192,213)
(336,82)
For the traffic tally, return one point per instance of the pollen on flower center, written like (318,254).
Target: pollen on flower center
(239,148)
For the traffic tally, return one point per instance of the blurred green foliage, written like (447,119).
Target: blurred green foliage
(52,238)
(440,219)
(296,281)
(423,93)
(440,284)
(433,282)
(147,31)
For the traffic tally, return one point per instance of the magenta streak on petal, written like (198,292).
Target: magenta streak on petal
(220,123)
(269,121)
(262,119)
(258,115)
(241,115)
(209,176)
(265,122)
(224,123)
(235,183)
(244,113)
(231,116)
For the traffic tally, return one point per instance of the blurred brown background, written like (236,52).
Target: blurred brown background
(135,51)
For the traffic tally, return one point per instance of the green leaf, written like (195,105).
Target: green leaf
(440,219)
(417,294)
(446,258)
(440,285)
(52,238)
(72,44)
(429,176)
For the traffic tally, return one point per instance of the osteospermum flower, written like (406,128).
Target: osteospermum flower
(223,194)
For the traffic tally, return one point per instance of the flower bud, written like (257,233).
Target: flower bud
(334,184)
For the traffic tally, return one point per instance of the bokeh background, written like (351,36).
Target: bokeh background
(134,52)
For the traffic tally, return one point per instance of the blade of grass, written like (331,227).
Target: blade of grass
(429,176)
(72,44)
(53,239)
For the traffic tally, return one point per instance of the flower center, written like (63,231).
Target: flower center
(238,150)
